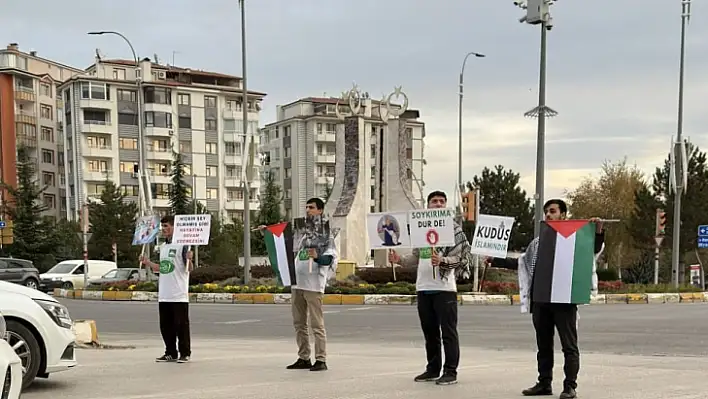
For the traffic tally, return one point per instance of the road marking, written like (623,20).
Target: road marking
(330,311)
(355,309)
(238,321)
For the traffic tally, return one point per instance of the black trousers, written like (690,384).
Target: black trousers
(547,317)
(174,326)
(438,316)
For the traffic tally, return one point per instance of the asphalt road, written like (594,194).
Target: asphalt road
(667,329)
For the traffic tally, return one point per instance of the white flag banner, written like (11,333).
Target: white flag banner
(491,235)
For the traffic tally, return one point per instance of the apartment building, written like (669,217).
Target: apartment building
(29,117)
(299,149)
(193,112)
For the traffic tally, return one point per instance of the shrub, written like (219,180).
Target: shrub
(383,275)
(610,274)
(209,274)
(497,287)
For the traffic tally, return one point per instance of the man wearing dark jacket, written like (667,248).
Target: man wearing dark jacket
(547,317)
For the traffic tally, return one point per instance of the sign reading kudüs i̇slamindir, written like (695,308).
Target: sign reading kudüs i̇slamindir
(432,228)
(192,229)
(491,235)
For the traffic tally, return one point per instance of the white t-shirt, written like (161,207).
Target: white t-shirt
(429,277)
(317,280)
(174,277)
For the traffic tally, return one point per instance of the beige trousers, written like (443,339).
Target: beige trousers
(309,303)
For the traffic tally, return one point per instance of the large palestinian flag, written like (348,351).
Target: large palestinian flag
(563,272)
(279,243)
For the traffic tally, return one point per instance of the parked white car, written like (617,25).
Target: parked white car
(10,367)
(69,274)
(39,329)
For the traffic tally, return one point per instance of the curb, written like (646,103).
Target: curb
(373,299)
(86,332)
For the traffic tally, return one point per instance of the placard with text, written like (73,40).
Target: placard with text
(192,229)
(432,227)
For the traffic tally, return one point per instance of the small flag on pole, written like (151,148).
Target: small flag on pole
(279,243)
(564,266)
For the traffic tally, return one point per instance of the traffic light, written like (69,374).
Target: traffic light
(660,222)
(469,206)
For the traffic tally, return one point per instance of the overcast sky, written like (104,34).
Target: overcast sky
(612,67)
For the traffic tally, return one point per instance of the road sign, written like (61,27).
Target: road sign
(81,236)
(3,224)
(702,242)
(703,230)
(659,240)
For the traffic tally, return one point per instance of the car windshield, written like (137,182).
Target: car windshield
(62,268)
(112,274)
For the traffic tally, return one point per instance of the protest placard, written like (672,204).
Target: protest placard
(192,229)
(491,235)
(432,227)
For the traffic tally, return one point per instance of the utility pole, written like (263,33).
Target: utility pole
(679,174)
(85,238)
(195,262)
(538,13)
(459,124)
(246,182)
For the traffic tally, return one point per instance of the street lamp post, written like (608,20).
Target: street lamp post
(680,162)
(246,181)
(459,149)
(538,13)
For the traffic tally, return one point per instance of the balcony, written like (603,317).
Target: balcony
(160,202)
(156,107)
(97,151)
(322,179)
(98,175)
(232,181)
(97,126)
(159,155)
(26,140)
(25,94)
(25,116)
(234,204)
(159,177)
(232,159)
(96,103)
(324,158)
(237,113)
(154,131)
(231,137)
(325,136)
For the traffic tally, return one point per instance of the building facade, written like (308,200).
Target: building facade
(30,117)
(195,113)
(299,150)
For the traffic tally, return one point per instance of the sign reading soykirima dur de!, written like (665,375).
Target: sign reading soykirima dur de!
(491,235)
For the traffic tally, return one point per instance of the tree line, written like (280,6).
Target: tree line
(112,218)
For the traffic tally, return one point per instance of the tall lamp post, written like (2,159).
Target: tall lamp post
(679,164)
(246,184)
(538,13)
(459,125)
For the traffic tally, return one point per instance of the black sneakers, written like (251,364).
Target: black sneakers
(300,364)
(427,376)
(540,389)
(319,366)
(568,393)
(446,379)
(183,359)
(165,359)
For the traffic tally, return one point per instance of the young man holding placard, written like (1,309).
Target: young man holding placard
(311,270)
(436,287)
(547,317)
(173,295)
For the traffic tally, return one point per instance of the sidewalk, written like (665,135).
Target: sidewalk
(237,369)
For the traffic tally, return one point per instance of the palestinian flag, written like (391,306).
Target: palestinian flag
(279,243)
(564,264)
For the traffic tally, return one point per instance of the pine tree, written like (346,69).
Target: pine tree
(112,220)
(24,207)
(328,191)
(271,199)
(179,191)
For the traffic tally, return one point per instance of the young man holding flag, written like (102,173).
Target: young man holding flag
(436,287)
(547,317)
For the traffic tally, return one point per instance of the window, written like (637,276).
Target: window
(331,128)
(185,146)
(212,193)
(46,112)
(96,117)
(49,179)
(98,142)
(409,153)
(183,99)
(330,171)
(128,167)
(231,171)
(48,156)
(229,125)
(210,124)
(288,193)
(319,128)
(127,95)
(118,73)
(211,148)
(159,145)
(234,195)
(286,152)
(161,191)
(94,91)
(286,131)
(212,171)
(47,134)
(128,119)
(158,119)
(97,165)
(233,149)
(129,191)
(185,122)
(209,102)
(50,201)
(288,173)
(128,144)
(188,172)
(233,105)
(235,215)
(158,95)
(45,89)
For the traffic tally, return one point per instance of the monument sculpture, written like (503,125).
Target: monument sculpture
(350,198)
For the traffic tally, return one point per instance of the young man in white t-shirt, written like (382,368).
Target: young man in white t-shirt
(173,295)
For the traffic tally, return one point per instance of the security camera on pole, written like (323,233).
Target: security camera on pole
(538,13)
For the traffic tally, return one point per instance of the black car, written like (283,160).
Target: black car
(19,271)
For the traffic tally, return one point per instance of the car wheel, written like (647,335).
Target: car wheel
(32,283)
(67,286)
(27,349)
